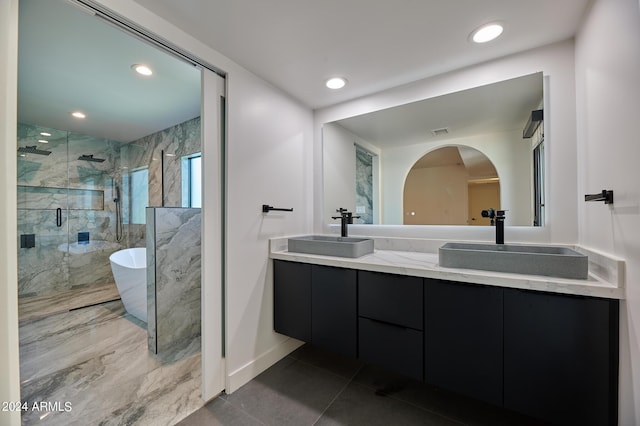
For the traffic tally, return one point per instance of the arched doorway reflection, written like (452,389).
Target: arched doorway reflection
(450,186)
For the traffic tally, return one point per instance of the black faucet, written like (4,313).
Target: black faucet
(497,218)
(500,217)
(346,217)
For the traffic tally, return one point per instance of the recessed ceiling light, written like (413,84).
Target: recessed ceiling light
(336,83)
(43,141)
(78,114)
(487,32)
(142,69)
(45,134)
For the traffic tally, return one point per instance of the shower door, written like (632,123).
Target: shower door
(42,210)
(94,171)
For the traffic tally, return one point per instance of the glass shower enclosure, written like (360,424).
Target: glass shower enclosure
(67,216)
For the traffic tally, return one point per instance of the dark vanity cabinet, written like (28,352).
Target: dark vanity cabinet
(551,356)
(390,312)
(316,304)
(292,299)
(333,309)
(463,338)
(561,357)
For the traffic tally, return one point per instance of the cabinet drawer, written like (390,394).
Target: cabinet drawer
(391,347)
(394,299)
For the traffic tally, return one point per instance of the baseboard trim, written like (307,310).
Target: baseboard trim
(238,378)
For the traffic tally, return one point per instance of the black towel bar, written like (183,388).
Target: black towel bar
(605,195)
(266,209)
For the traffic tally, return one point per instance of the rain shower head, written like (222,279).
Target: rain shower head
(33,150)
(90,158)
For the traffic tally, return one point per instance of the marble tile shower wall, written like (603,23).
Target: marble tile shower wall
(83,192)
(61,180)
(173,278)
(364,185)
(176,142)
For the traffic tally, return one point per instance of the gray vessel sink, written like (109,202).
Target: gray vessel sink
(560,262)
(327,245)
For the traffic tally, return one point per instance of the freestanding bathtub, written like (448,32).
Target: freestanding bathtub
(129,267)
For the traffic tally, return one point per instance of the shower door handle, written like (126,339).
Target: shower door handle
(58,217)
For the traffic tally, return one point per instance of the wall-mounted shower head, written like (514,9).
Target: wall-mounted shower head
(90,158)
(33,150)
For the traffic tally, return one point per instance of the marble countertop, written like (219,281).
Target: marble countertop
(419,258)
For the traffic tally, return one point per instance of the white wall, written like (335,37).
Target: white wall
(608,107)
(269,161)
(508,152)
(339,159)
(9,363)
(557,64)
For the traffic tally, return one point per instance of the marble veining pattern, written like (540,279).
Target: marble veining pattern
(96,359)
(425,264)
(173,277)
(176,142)
(83,191)
(35,307)
(364,185)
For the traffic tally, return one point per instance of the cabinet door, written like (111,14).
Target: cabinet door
(333,309)
(395,299)
(391,347)
(463,339)
(561,357)
(292,299)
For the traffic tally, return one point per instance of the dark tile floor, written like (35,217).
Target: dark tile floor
(312,387)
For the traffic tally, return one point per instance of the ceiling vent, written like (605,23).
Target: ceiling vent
(532,124)
(440,132)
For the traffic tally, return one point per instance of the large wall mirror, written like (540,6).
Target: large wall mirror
(443,160)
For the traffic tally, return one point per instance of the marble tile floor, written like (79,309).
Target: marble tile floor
(312,387)
(92,367)
(35,307)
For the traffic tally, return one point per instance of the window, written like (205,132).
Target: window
(138,194)
(192,180)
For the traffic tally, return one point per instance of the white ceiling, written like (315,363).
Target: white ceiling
(69,60)
(375,44)
(493,108)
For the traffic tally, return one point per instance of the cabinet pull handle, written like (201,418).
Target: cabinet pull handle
(388,324)
(58,217)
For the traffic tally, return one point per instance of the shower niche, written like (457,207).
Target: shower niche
(66,186)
